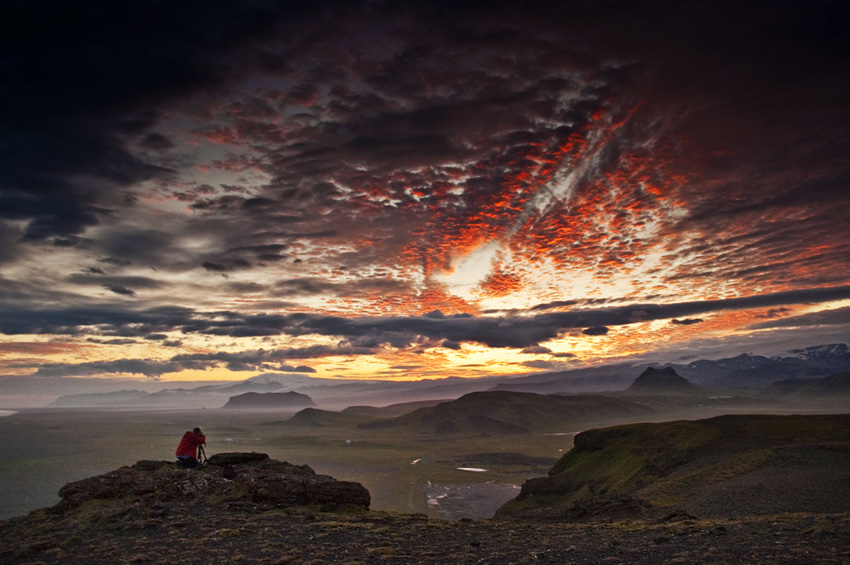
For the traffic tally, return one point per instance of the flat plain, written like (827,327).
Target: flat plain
(42,450)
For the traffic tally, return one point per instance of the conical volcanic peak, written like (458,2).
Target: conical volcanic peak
(661,381)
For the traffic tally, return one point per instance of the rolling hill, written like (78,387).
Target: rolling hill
(270,401)
(316,418)
(392,410)
(723,466)
(499,412)
(834,386)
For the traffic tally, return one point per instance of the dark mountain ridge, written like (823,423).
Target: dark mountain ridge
(97,398)
(270,401)
(758,371)
(832,387)
(661,381)
(742,371)
(513,412)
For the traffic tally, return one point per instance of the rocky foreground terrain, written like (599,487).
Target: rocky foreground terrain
(245,508)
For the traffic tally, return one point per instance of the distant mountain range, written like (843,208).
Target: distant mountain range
(835,386)
(207,396)
(99,398)
(756,371)
(752,372)
(747,371)
(167,398)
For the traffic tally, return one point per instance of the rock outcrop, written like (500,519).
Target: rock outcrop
(236,480)
(661,381)
(270,401)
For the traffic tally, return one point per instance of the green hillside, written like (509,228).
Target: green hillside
(724,465)
(505,412)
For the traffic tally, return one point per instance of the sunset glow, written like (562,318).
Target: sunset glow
(372,192)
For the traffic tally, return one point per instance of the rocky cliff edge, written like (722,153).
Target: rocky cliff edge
(233,480)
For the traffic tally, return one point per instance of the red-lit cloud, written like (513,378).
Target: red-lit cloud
(392,177)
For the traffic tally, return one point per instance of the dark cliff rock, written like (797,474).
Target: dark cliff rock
(243,480)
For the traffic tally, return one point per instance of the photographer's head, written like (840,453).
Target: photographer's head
(198,431)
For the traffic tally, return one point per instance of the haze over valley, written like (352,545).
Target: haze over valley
(417,446)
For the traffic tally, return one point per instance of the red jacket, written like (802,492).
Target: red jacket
(189,445)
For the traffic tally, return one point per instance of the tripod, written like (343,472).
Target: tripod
(202,455)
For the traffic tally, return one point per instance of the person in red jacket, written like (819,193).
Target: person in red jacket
(187,451)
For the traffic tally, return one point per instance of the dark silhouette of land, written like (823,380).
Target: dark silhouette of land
(662,470)
(662,381)
(270,401)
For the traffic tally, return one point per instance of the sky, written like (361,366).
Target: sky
(408,190)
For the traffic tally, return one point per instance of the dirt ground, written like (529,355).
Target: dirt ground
(170,534)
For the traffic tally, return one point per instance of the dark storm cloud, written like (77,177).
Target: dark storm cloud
(543,365)
(838,316)
(98,277)
(112,341)
(145,367)
(686,321)
(536,350)
(411,132)
(263,360)
(366,335)
(462,72)
(75,321)
(215,267)
(156,141)
(439,89)
(8,250)
(118,289)
(115,261)
(774,313)
(243,361)
(407,95)
(764,121)
(149,247)
(156,337)
(307,286)
(84,79)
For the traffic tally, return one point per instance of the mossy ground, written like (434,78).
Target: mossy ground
(699,464)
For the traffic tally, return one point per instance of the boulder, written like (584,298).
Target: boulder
(225,459)
(235,479)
